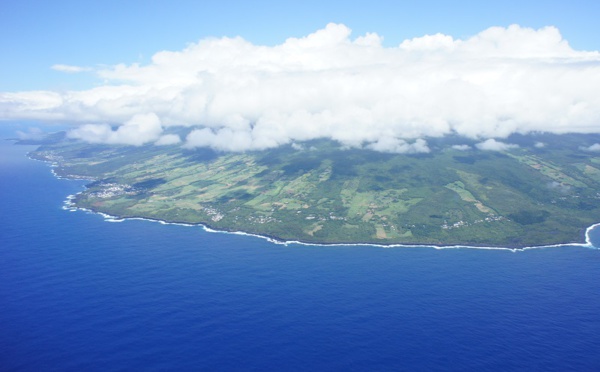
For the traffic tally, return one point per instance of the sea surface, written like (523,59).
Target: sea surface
(79,293)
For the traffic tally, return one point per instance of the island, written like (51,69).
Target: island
(541,190)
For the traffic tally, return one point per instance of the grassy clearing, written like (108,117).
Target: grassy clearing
(459,188)
(592,172)
(549,170)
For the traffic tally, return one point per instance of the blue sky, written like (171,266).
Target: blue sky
(39,34)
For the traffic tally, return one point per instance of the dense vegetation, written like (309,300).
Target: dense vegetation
(530,195)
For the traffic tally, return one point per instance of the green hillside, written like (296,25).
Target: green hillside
(323,193)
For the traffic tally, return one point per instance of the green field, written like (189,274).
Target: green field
(528,196)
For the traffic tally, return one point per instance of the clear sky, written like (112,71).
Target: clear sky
(39,34)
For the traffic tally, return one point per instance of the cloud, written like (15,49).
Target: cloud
(399,146)
(493,145)
(224,139)
(240,96)
(560,187)
(594,148)
(139,130)
(168,139)
(540,145)
(461,147)
(70,69)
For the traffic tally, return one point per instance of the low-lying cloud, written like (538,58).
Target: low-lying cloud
(139,130)
(239,96)
(462,147)
(594,148)
(493,145)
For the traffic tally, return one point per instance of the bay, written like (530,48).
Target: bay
(80,293)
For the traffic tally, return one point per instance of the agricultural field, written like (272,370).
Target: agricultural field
(321,192)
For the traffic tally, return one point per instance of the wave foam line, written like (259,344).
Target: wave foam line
(110,218)
(70,206)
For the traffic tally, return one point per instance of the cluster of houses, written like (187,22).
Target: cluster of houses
(459,224)
(110,190)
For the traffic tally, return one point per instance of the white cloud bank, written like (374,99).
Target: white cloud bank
(242,96)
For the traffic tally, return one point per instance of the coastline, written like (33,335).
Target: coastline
(70,205)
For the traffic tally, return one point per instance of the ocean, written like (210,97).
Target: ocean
(79,293)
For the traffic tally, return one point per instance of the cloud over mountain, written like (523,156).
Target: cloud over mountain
(241,96)
(493,145)
(139,130)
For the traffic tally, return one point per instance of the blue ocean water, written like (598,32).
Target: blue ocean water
(78,293)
